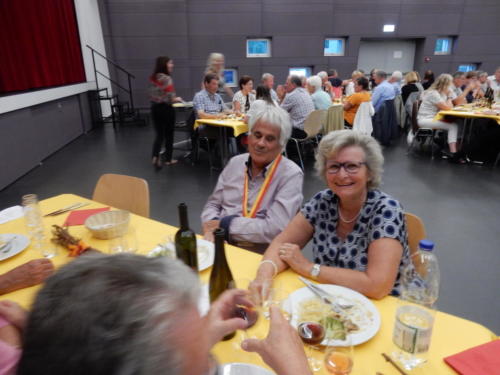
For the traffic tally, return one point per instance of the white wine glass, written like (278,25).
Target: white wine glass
(339,359)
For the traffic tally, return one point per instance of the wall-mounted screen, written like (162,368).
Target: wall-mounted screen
(301,71)
(259,47)
(334,47)
(231,77)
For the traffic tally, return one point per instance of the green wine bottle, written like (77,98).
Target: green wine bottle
(221,277)
(185,240)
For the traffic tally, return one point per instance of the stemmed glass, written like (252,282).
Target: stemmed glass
(311,330)
(339,359)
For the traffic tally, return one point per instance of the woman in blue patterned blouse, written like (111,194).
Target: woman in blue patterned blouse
(359,232)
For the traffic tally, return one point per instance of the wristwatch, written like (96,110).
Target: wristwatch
(315,271)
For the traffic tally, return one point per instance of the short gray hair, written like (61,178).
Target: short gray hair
(397,75)
(381,74)
(315,81)
(336,141)
(266,76)
(322,75)
(277,117)
(110,312)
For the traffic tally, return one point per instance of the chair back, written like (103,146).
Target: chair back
(363,119)
(414,114)
(416,232)
(124,192)
(314,122)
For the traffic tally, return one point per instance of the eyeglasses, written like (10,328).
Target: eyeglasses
(349,166)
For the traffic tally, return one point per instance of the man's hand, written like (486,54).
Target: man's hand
(208,229)
(221,319)
(28,274)
(282,349)
(13,313)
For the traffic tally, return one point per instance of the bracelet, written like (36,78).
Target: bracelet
(272,263)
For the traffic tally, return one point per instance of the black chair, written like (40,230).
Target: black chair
(420,134)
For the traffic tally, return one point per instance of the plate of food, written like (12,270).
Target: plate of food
(361,320)
(243,369)
(206,252)
(12,244)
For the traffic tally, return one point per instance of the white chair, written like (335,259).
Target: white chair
(363,119)
(312,126)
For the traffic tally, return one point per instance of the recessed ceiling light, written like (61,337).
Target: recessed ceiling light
(389,28)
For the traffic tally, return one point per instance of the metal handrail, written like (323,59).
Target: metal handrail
(129,75)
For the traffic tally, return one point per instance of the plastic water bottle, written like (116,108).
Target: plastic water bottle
(416,309)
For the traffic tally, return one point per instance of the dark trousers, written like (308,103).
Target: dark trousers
(163,115)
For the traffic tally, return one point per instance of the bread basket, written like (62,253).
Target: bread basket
(108,224)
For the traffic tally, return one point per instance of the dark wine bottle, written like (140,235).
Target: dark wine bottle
(221,277)
(185,240)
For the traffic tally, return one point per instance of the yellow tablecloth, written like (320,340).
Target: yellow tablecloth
(238,126)
(451,334)
(464,114)
(334,118)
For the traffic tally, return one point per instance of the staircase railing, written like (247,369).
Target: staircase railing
(129,76)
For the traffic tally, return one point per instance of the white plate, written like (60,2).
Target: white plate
(18,244)
(206,253)
(242,369)
(363,313)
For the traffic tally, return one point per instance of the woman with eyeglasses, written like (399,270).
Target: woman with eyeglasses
(358,232)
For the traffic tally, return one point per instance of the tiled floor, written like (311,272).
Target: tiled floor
(459,204)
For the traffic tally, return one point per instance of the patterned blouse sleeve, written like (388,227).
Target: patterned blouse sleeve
(310,209)
(387,221)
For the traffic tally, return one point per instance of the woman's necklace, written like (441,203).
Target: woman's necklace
(345,220)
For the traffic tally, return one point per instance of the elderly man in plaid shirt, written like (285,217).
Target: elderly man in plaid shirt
(207,103)
(298,104)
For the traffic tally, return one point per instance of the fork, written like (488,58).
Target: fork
(4,248)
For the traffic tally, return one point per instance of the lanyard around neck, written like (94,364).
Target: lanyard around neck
(262,191)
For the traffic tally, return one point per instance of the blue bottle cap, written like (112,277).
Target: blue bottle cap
(426,245)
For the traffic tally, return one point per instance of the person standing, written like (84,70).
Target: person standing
(162,95)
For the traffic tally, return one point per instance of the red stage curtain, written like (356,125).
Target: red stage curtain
(39,45)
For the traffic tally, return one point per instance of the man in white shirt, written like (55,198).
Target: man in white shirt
(494,80)
(395,81)
(457,95)
(268,81)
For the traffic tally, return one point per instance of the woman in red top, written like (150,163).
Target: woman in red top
(162,95)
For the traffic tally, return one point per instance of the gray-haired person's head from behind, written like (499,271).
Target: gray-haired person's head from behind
(336,141)
(276,117)
(109,315)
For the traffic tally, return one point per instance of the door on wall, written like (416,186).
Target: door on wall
(387,55)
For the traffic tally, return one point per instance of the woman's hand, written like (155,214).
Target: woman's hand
(292,255)
(13,313)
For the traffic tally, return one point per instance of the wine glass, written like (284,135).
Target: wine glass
(126,243)
(339,359)
(311,330)
(250,314)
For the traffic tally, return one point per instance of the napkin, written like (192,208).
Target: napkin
(483,359)
(78,217)
(11,213)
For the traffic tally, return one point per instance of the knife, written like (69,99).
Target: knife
(321,294)
(66,209)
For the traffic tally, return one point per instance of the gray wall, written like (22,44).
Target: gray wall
(30,135)
(136,31)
